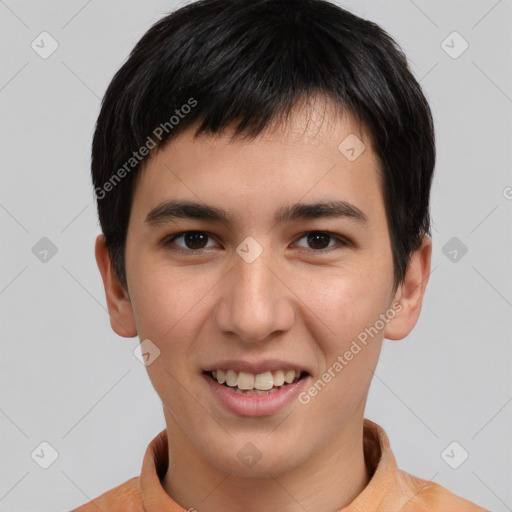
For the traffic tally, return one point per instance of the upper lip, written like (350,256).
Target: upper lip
(255,367)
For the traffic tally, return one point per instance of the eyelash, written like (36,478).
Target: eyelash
(168,240)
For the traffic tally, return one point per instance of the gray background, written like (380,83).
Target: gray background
(67,379)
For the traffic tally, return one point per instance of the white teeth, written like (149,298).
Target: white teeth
(262,381)
(289,376)
(231,378)
(278,377)
(245,380)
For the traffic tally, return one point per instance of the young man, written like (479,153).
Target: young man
(263,170)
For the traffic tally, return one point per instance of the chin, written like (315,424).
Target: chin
(258,459)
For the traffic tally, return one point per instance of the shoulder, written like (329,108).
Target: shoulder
(391,489)
(125,497)
(432,497)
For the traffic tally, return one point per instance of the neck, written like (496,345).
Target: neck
(329,480)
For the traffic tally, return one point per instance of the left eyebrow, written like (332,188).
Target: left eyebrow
(169,210)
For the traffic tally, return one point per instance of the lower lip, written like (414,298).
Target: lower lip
(255,405)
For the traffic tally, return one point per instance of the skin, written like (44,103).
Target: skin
(292,303)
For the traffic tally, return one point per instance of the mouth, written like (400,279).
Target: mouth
(250,384)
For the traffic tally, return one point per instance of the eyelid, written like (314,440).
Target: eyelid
(342,241)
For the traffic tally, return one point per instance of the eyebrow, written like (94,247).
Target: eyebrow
(170,210)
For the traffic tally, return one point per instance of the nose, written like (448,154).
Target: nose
(256,302)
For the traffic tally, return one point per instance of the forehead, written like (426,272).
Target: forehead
(317,155)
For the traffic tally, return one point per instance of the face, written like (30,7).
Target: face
(253,293)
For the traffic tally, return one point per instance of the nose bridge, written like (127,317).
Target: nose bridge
(255,303)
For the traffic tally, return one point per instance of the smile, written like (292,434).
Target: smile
(250,384)
(261,394)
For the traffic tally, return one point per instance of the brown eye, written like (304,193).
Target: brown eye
(196,241)
(319,241)
(193,240)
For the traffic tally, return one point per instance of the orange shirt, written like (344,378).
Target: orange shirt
(389,489)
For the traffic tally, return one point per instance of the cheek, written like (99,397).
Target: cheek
(159,293)
(171,305)
(348,348)
(166,303)
(341,305)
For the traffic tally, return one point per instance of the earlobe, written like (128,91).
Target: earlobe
(410,293)
(118,302)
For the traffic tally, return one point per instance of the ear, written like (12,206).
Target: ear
(410,293)
(119,305)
